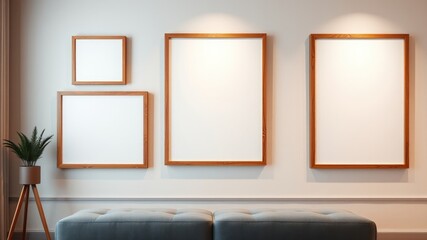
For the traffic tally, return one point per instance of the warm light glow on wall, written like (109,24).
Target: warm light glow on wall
(218,23)
(359,23)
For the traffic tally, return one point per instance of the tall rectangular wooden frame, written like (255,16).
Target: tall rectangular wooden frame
(359,100)
(215,99)
(102,129)
(99,60)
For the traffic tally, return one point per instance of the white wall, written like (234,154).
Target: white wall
(41,65)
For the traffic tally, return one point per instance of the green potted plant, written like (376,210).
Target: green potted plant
(29,150)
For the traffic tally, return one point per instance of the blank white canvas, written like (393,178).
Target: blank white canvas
(99,60)
(216,99)
(102,129)
(359,101)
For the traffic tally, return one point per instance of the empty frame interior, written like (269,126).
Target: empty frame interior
(102,129)
(215,99)
(99,60)
(359,101)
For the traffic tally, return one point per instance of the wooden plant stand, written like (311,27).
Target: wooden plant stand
(24,196)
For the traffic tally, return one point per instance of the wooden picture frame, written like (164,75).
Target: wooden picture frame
(215,99)
(359,100)
(98,60)
(102,129)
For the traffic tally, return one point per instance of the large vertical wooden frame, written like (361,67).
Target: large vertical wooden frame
(359,100)
(103,129)
(215,99)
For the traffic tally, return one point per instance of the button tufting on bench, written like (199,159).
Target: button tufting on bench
(198,224)
(291,224)
(147,224)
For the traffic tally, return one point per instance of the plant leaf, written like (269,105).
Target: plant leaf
(29,150)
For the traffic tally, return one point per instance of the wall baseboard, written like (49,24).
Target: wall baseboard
(402,235)
(33,236)
(381,236)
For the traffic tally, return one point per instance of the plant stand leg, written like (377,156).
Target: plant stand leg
(24,193)
(24,229)
(40,208)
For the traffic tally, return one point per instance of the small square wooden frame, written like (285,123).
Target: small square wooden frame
(99,60)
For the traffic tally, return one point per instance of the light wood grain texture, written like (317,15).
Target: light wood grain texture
(313,98)
(138,94)
(41,212)
(22,196)
(24,228)
(168,79)
(75,81)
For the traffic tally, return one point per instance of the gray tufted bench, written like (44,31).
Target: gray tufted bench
(197,224)
(283,224)
(127,224)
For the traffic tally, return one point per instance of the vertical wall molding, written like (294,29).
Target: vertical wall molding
(4,114)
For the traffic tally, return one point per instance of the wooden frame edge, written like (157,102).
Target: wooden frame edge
(312,102)
(144,94)
(167,38)
(124,61)
(216,163)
